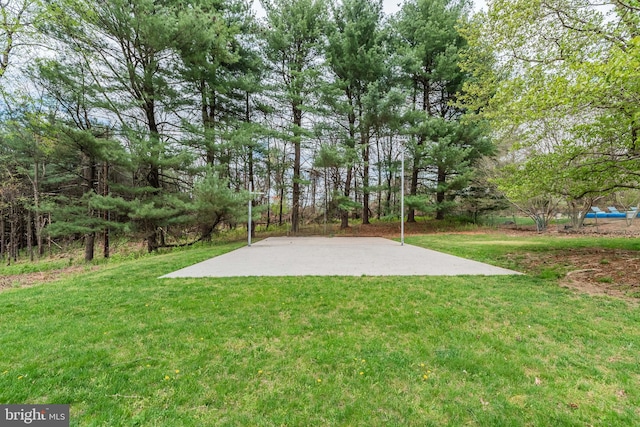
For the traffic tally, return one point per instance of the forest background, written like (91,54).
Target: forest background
(163,119)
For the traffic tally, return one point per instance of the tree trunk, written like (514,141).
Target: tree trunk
(2,235)
(347,185)
(39,222)
(105,192)
(89,245)
(390,177)
(365,179)
(314,189)
(162,233)
(90,182)
(379,195)
(440,194)
(153,177)
(30,235)
(106,250)
(268,161)
(281,204)
(387,202)
(411,215)
(295,208)
(13,243)
(326,199)
(247,119)
(49,237)
(152,241)
(347,191)
(426,108)
(208,120)
(413,187)
(356,195)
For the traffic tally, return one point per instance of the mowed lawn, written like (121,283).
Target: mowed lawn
(124,348)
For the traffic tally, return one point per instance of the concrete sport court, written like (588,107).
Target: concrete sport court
(335,256)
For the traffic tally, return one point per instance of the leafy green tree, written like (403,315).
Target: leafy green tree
(32,137)
(529,197)
(481,196)
(329,157)
(385,105)
(71,211)
(24,153)
(222,65)
(570,66)
(11,189)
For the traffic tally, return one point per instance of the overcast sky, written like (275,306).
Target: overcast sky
(389,6)
(392,6)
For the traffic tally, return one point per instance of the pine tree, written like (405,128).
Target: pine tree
(443,147)
(294,37)
(129,48)
(354,55)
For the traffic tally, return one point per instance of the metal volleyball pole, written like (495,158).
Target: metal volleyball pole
(402,198)
(249,224)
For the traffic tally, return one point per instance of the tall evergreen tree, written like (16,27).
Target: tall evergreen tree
(442,147)
(17,19)
(129,48)
(82,147)
(220,62)
(25,155)
(208,47)
(355,57)
(294,44)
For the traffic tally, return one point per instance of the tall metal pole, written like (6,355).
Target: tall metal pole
(325,201)
(402,198)
(249,223)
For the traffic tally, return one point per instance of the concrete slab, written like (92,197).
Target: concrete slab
(335,256)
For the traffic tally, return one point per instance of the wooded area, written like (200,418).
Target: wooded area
(163,119)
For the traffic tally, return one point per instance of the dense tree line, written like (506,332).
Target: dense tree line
(164,118)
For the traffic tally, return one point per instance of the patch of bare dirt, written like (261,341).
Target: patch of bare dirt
(609,272)
(392,229)
(32,279)
(604,227)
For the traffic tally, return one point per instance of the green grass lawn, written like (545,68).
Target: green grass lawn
(493,248)
(124,348)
